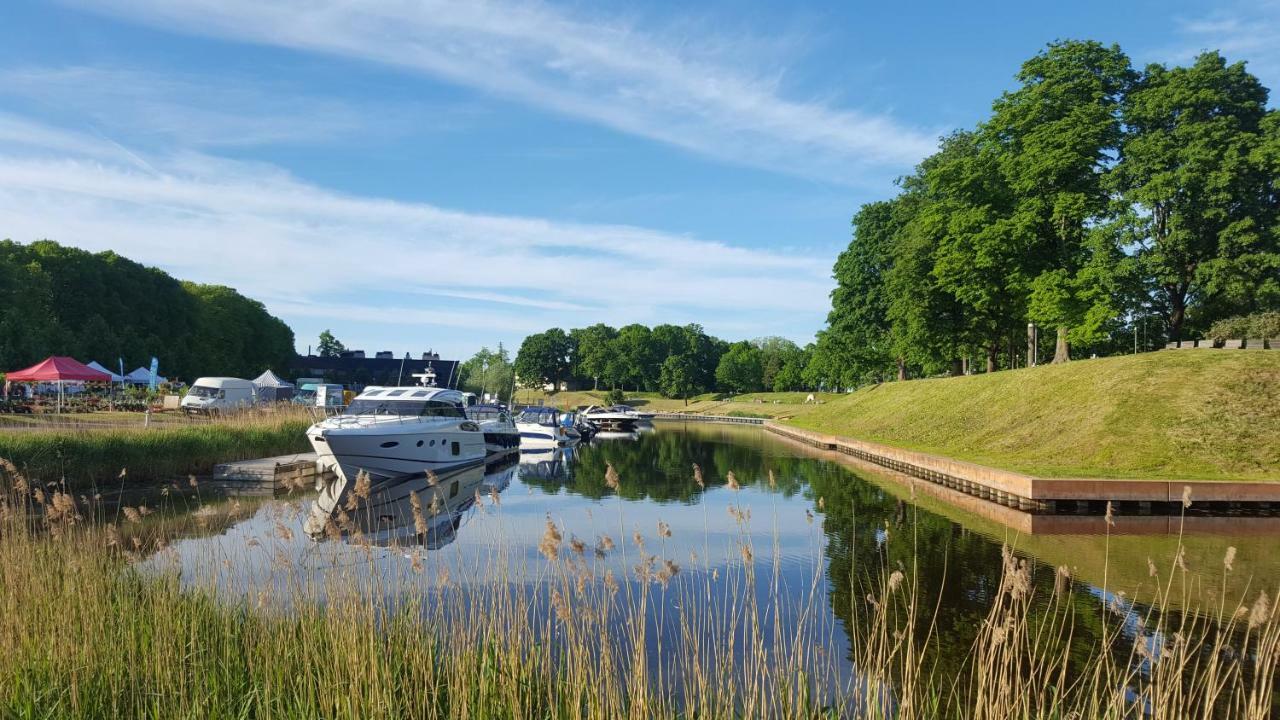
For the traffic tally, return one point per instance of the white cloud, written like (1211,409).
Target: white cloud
(312,253)
(697,96)
(190,109)
(1241,31)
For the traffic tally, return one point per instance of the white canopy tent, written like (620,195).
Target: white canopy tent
(271,388)
(142,376)
(115,377)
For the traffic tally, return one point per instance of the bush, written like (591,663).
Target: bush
(1258,325)
(615,397)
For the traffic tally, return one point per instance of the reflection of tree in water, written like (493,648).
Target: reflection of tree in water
(869,533)
(957,571)
(658,466)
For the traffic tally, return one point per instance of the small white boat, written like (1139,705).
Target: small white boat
(500,432)
(617,418)
(542,427)
(391,432)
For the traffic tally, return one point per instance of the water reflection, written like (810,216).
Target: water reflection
(815,528)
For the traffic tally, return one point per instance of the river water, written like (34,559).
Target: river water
(816,530)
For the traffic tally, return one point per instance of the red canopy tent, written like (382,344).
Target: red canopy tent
(57,369)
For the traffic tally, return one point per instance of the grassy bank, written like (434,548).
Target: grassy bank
(1178,415)
(89,456)
(87,634)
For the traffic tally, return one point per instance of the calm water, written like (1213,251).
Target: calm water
(820,532)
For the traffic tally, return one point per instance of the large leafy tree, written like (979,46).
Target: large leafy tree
(594,346)
(740,370)
(1055,137)
(545,358)
(677,377)
(1199,193)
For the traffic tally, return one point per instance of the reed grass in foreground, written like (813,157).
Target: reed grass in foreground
(83,633)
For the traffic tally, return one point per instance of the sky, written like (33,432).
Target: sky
(421,175)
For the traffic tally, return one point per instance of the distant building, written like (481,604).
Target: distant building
(353,369)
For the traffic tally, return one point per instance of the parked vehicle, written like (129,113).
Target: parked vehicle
(219,394)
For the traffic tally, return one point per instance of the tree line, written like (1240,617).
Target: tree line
(1096,201)
(57,300)
(676,361)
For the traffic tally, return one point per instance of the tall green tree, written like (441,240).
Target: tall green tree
(1055,137)
(544,359)
(1199,194)
(740,370)
(594,347)
(328,345)
(488,372)
(677,377)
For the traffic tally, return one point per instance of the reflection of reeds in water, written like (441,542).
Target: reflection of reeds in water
(83,635)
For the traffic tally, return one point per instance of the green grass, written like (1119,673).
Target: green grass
(88,457)
(1193,414)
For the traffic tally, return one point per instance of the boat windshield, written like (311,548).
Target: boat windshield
(411,408)
(480,414)
(538,417)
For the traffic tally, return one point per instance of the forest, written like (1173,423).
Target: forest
(58,300)
(1114,209)
(677,361)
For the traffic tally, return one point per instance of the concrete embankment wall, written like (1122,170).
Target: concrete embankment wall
(1030,493)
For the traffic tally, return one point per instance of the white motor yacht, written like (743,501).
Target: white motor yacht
(500,432)
(617,418)
(391,432)
(542,427)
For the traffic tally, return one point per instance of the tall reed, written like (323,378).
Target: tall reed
(85,633)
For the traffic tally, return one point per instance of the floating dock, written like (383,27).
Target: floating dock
(280,475)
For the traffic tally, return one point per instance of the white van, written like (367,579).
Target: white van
(217,394)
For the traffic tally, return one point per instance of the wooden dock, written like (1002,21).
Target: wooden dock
(273,476)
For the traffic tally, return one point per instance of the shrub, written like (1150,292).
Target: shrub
(1258,325)
(615,397)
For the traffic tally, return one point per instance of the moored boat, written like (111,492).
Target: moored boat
(390,432)
(500,432)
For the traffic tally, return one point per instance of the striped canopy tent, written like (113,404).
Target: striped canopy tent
(271,388)
(59,370)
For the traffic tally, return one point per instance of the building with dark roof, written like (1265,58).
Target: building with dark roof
(353,369)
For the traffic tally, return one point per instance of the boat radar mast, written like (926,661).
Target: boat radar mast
(426,378)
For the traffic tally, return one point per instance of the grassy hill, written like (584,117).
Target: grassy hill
(1190,414)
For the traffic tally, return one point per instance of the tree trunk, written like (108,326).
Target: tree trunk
(1177,314)
(902,369)
(1062,352)
(992,352)
(957,367)
(964,365)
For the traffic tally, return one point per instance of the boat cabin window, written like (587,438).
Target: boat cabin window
(410,408)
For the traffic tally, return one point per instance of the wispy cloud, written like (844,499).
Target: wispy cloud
(1247,31)
(699,96)
(175,108)
(314,253)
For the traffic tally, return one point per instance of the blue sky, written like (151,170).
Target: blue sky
(416,175)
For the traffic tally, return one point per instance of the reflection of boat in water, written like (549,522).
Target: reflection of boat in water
(542,427)
(500,432)
(547,463)
(390,516)
(614,435)
(393,431)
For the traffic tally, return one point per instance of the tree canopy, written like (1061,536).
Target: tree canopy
(1093,200)
(57,300)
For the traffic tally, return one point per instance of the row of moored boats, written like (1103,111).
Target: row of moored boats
(402,437)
